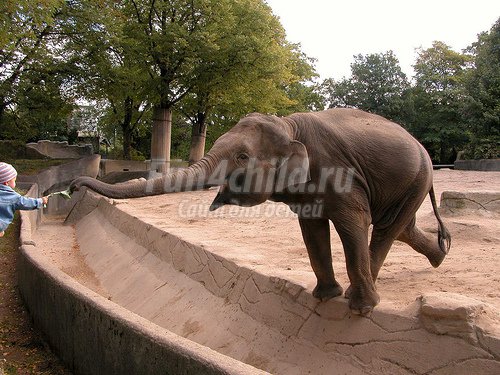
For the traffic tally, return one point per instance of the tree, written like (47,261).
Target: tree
(439,97)
(483,89)
(104,70)
(376,85)
(30,95)
(41,109)
(304,93)
(190,48)
(266,78)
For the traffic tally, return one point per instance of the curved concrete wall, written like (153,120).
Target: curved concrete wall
(95,336)
(58,178)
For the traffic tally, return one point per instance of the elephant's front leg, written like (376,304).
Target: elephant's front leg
(353,232)
(316,234)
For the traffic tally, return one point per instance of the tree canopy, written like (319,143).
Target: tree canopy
(451,104)
(130,58)
(482,84)
(124,65)
(32,103)
(377,84)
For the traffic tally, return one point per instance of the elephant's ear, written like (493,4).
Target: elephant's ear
(294,169)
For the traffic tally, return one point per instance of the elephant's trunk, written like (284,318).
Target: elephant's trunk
(197,176)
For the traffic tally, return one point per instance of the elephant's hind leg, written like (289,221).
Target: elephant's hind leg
(380,244)
(316,234)
(419,241)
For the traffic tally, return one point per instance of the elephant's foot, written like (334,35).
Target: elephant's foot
(361,302)
(325,292)
(436,258)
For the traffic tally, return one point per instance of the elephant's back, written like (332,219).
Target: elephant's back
(386,157)
(353,131)
(352,122)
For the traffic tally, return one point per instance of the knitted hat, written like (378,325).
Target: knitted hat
(7,172)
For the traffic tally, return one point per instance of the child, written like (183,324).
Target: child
(10,201)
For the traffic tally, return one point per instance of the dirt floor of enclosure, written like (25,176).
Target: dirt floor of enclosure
(267,239)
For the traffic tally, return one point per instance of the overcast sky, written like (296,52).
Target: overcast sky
(333,31)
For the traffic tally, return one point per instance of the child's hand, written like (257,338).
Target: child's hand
(45,199)
(1,234)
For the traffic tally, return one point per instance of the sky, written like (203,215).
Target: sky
(333,31)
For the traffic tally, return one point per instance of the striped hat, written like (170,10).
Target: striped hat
(7,172)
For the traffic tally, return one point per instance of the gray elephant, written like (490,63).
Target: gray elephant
(353,168)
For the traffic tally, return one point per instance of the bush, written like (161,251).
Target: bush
(486,148)
(11,150)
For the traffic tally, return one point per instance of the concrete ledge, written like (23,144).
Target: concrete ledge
(95,336)
(482,201)
(111,165)
(114,165)
(59,150)
(478,165)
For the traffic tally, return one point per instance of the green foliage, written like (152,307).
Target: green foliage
(212,62)
(453,103)
(439,95)
(12,150)
(194,56)
(483,148)
(376,85)
(482,108)
(32,104)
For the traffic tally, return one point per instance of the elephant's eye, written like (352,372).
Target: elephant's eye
(243,157)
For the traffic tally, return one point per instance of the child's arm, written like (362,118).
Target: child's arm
(27,203)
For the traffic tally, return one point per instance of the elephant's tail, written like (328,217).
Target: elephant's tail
(444,237)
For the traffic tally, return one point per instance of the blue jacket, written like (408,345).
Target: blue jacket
(10,201)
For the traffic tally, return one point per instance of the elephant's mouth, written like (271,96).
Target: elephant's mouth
(225,198)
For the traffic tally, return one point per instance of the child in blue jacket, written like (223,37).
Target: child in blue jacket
(10,201)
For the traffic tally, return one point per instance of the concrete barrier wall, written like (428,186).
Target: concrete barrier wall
(442,320)
(58,178)
(59,150)
(478,165)
(95,336)
(112,165)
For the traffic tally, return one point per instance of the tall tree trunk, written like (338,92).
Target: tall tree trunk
(160,139)
(198,138)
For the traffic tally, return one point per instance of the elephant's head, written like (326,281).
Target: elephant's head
(262,159)
(253,160)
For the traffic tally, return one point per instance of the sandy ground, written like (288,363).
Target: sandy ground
(267,238)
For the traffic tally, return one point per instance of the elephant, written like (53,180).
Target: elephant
(360,168)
